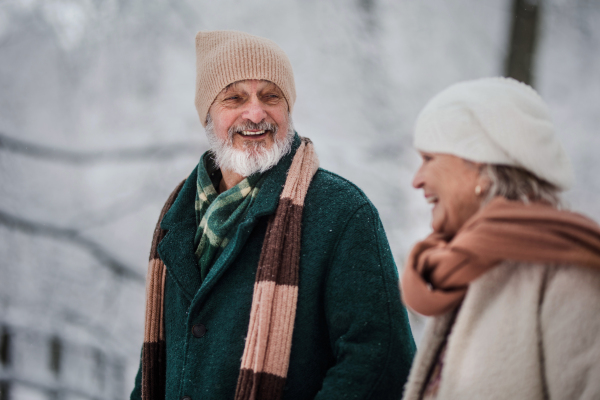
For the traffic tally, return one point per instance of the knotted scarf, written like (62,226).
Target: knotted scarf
(266,354)
(438,272)
(217,215)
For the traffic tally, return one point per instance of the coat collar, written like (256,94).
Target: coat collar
(177,248)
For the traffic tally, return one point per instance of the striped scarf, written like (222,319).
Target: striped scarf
(268,345)
(217,215)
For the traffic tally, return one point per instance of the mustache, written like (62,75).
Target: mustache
(249,125)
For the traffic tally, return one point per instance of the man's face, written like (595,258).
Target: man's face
(249,126)
(247,102)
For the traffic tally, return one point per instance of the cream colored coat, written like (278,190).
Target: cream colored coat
(523,332)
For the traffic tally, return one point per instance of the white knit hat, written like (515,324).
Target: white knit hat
(495,121)
(224,57)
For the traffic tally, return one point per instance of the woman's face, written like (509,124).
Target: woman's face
(449,182)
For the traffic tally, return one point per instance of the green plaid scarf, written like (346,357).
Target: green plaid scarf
(218,214)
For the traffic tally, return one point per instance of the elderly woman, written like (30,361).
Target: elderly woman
(511,280)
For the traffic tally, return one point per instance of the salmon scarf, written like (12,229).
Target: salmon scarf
(266,355)
(438,272)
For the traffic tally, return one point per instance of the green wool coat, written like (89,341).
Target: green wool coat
(351,335)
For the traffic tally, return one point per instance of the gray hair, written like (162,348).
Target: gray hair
(518,184)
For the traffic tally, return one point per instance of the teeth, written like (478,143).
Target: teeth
(432,199)
(248,133)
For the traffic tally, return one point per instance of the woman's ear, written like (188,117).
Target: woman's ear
(483,181)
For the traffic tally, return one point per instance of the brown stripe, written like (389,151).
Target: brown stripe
(243,390)
(266,386)
(283,233)
(159,233)
(289,268)
(153,371)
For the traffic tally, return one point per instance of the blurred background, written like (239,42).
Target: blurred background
(98,125)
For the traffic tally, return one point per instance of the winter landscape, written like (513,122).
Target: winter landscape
(98,125)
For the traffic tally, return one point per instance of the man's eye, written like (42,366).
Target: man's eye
(232,98)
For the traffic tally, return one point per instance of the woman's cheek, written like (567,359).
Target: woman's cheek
(438,217)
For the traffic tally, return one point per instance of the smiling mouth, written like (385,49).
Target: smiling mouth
(432,199)
(254,134)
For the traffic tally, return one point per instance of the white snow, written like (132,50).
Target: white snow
(98,77)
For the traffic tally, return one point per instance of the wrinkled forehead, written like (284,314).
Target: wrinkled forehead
(244,84)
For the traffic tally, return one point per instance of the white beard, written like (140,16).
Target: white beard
(254,157)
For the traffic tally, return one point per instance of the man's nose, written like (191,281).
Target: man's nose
(254,111)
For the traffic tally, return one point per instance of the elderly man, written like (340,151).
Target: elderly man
(269,277)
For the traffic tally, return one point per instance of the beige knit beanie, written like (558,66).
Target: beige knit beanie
(495,121)
(224,57)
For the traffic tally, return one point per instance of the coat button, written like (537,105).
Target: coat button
(198,331)
(186,398)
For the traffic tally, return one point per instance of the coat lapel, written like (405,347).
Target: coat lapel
(177,248)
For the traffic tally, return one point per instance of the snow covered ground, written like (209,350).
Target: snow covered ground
(99,97)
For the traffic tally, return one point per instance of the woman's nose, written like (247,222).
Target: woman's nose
(418,180)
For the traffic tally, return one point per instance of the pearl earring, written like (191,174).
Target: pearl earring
(478,190)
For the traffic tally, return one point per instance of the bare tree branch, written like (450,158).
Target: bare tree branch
(148,153)
(71,235)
